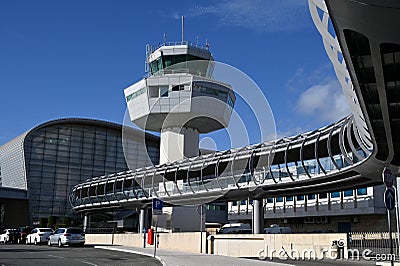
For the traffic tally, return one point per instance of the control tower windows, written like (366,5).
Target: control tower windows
(166,61)
(153,91)
(170,60)
(204,89)
(164,91)
(135,94)
(156,65)
(178,88)
(230,101)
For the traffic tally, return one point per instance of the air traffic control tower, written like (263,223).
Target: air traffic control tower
(179,98)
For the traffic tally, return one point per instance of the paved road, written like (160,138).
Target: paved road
(82,256)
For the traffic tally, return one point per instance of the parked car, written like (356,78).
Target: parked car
(276,229)
(38,236)
(8,235)
(22,233)
(322,231)
(67,236)
(235,228)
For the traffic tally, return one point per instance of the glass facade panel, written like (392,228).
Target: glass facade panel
(323,195)
(348,193)
(362,191)
(59,156)
(301,197)
(311,196)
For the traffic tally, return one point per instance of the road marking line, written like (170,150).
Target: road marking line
(133,252)
(59,257)
(89,263)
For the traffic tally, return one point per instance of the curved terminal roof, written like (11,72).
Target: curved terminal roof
(87,121)
(12,153)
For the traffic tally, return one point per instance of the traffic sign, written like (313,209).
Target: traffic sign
(157,206)
(389,198)
(387,176)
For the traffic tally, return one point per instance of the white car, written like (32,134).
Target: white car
(39,235)
(8,235)
(67,236)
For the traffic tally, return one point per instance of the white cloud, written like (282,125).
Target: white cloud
(303,78)
(325,102)
(260,15)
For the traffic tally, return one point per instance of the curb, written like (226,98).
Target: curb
(132,251)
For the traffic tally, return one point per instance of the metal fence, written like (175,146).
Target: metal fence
(377,242)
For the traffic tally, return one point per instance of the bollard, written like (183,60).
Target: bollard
(211,241)
(144,237)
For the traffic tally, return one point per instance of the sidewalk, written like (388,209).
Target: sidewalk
(180,258)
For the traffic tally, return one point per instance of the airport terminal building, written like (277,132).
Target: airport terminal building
(326,179)
(48,160)
(357,210)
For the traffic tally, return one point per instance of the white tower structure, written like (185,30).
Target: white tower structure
(179,98)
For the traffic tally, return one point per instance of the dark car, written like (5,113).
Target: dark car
(22,233)
(322,231)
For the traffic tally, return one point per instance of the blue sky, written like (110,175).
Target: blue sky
(74,58)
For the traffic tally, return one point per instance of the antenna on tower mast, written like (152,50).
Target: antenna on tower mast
(183,29)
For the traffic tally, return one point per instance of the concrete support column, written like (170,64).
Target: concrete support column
(142,220)
(178,143)
(149,217)
(86,222)
(258,216)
